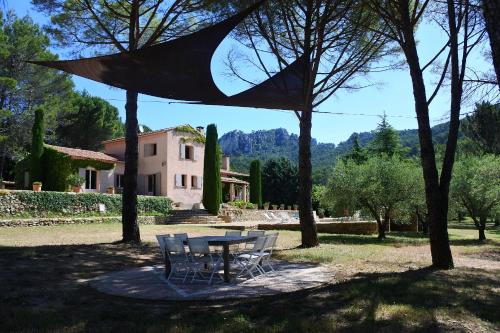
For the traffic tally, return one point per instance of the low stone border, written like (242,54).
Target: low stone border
(356,228)
(33,222)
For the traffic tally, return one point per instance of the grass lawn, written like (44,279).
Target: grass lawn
(381,286)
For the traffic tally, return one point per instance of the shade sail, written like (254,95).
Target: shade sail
(180,70)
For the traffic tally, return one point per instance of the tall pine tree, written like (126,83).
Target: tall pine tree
(212,192)
(37,135)
(255,183)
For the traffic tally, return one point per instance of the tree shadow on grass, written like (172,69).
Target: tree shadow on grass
(41,289)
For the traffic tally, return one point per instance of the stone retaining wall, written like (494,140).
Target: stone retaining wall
(356,228)
(272,216)
(33,222)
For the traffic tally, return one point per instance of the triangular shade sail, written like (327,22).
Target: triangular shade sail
(180,70)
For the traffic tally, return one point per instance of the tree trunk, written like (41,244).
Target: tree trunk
(130,228)
(491,11)
(481,227)
(437,207)
(307,223)
(381,229)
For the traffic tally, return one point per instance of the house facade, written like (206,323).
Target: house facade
(170,163)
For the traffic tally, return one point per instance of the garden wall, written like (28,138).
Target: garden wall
(28,204)
(33,222)
(272,216)
(356,228)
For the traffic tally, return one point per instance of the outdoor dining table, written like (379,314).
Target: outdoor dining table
(225,241)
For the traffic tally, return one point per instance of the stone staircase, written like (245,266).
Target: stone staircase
(192,216)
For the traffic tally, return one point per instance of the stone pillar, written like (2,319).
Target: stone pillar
(245,198)
(231,192)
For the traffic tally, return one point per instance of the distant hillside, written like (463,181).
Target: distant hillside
(267,144)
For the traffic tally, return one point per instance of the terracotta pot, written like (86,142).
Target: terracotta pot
(110,190)
(295,207)
(77,189)
(266,206)
(37,187)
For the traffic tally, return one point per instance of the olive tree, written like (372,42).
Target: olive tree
(476,186)
(382,185)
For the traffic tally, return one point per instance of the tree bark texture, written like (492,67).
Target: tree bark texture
(437,206)
(130,226)
(491,11)
(307,223)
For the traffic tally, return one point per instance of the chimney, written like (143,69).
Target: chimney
(201,129)
(226,163)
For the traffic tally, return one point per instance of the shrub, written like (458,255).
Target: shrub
(212,193)
(241,204)
(255,183)
(75,180)
(48,203)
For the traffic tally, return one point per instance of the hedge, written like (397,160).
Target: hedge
(46,203)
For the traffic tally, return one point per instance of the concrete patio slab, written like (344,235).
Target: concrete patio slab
(149,283)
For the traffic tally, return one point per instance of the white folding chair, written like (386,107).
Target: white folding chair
(179,259)
(183,236)
(250,262)
(202,259)
(268,251)
(253,233)
(162,244)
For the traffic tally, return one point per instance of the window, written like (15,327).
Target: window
(187,152)
(90,179)
(180,180)
(149,149)
(151,184)
(119,181)
(195,182)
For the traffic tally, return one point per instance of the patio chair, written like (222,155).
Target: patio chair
(162,244)
(202,259)
(252,233)
(250,262)
(234,249)
(178,257)
(268,251)
(183,236)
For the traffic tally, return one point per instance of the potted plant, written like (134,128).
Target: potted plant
(266,205)
(110,190)
(275,207)
(37,186)
(295,207)
(75,181)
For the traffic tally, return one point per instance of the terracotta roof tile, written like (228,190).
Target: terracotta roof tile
(81,154)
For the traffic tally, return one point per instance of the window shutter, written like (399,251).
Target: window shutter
(195,154)
(183,151)
(178,180)
(198,181)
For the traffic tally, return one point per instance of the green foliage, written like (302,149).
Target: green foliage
(386,140)
(256,183)
(280,183)
(317,194)
(212,193)
(24,87)
(241,204)
(37,136)
(483,127)
(56,169)
(48,203)
(75,180)
(358,154)
(381,185)
(195,136)
(475,186)
(90,121)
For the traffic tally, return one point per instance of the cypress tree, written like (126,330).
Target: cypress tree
(212,192)
(37,134)
(255,183)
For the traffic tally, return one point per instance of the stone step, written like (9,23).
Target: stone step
(193,216)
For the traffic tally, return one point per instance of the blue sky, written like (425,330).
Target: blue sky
(391,94)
